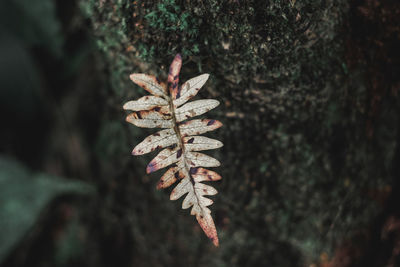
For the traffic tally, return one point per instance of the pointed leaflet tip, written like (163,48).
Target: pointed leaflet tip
(215,241)
(207,224)
(151,167)
(174,69)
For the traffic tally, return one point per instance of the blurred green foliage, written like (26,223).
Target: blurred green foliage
(23,197)
(23,26)
(36,24)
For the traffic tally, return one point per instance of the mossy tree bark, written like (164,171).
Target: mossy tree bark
(310,120)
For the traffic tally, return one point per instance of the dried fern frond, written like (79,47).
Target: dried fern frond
(166,108)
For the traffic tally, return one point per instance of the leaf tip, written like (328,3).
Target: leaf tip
(175,68)
(218,124)
(125,106)
(220,144)
(152,167)
(173,195)
(133,77)
(208,226)
(215,123)
(215,241)
(159,185)
(135,152)
(129,117)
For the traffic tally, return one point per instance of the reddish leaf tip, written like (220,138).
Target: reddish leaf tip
(175,68)
(129,117)
(133,76)
(215,241)
(152,167)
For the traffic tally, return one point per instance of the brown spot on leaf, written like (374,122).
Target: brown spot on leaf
(193,170)
(179,153)
(211,122)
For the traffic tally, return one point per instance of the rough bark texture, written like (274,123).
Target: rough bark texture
(309,103)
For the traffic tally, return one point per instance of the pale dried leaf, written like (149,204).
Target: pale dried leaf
(149,83)
(157,140)
(161,110)
(201,174)
(164,158)
(195,198)
(145,103)
(189,89)
(190,199)
(195,108)
(199,143)
(172,175)
(182,188)
(207,224)
(196,159)
(198,126)
(150,119)
(205,190)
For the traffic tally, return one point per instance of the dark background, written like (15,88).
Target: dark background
(310,107)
